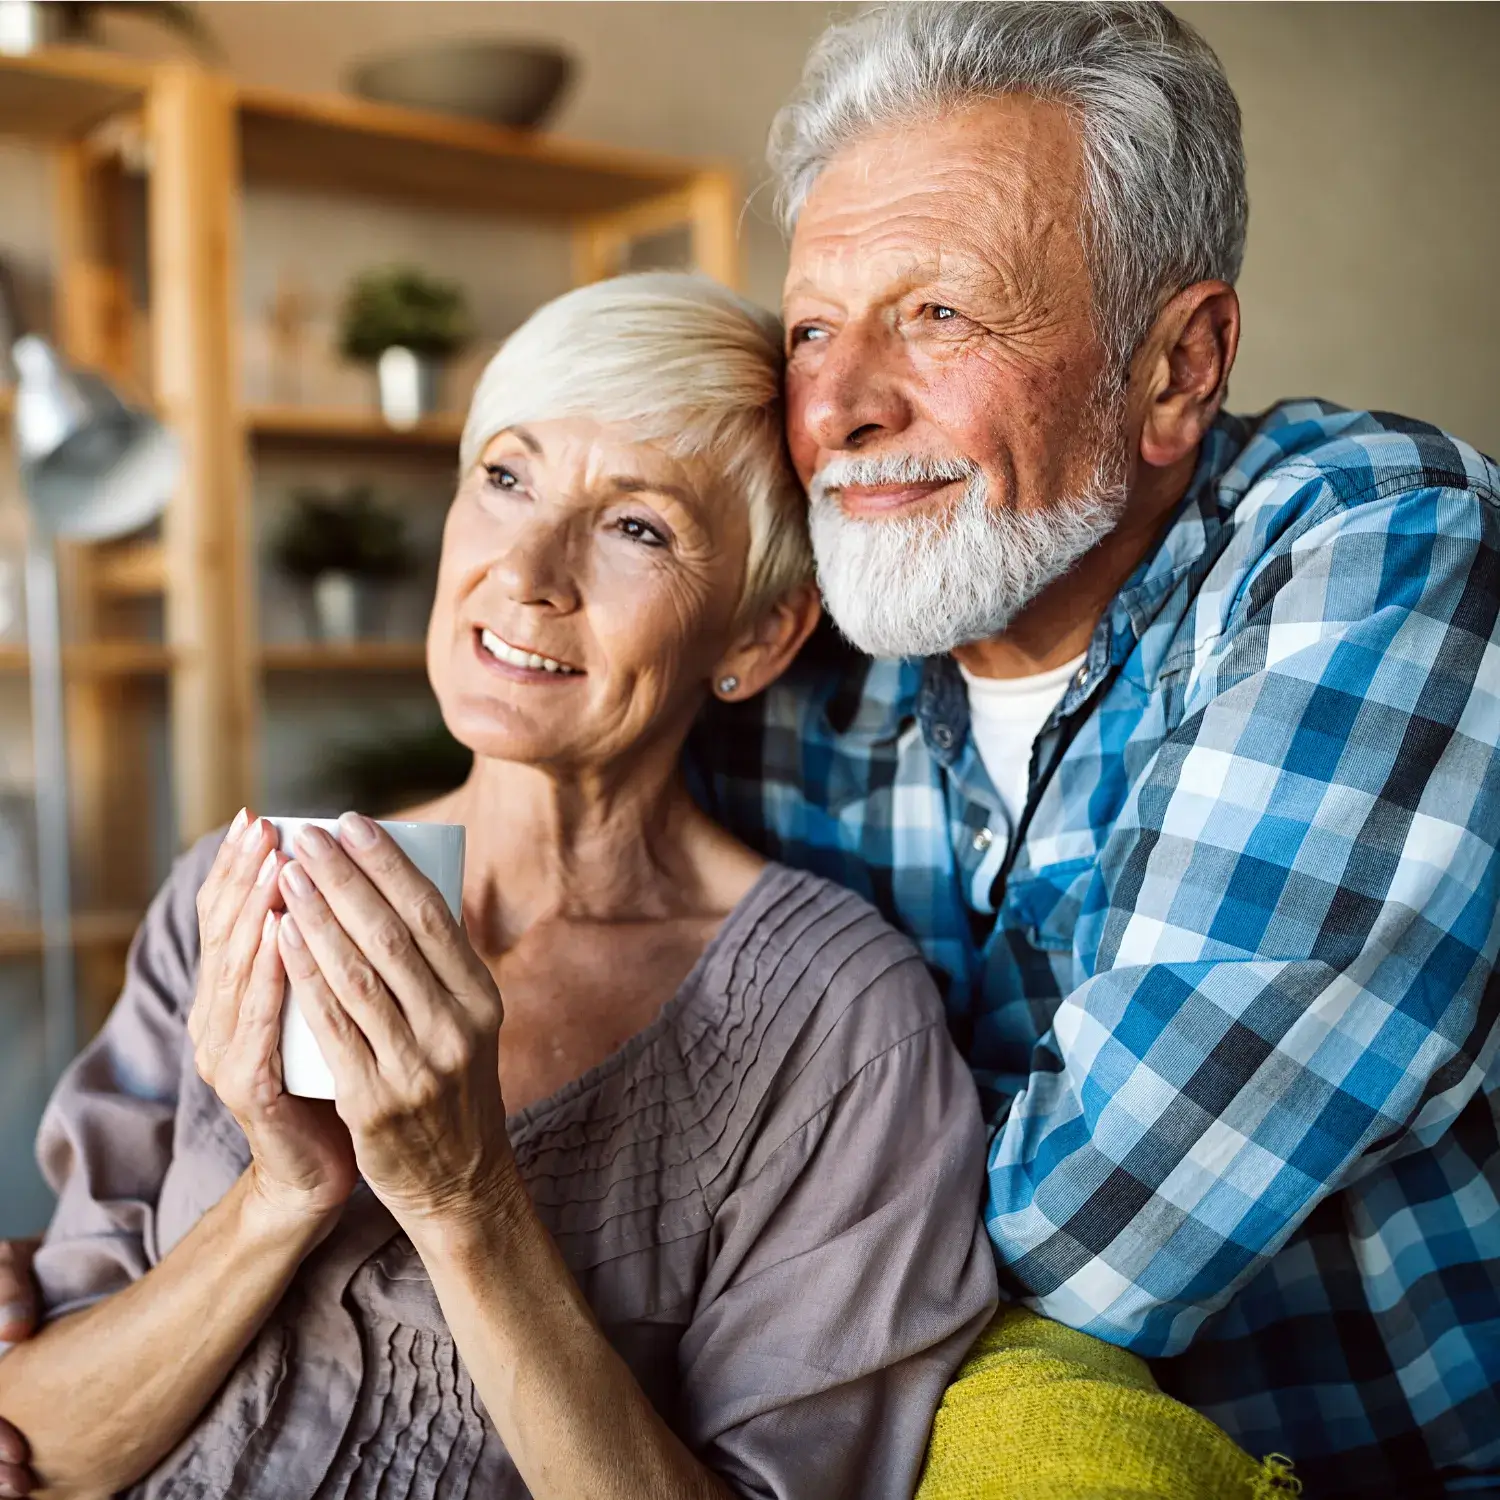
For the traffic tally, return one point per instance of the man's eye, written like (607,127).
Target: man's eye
(642,531)
(807,333)
(500,477)
(942,313)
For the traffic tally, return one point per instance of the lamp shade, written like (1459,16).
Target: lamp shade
(92,468)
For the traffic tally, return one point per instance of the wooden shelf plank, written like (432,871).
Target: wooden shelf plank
(100,659)
(342,144)
(91,929)
(357,656)
(135,570)
(61,93)
(306,426)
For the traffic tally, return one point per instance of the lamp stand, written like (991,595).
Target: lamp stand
(50,750)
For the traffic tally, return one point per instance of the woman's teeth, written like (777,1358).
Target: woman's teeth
(501,651)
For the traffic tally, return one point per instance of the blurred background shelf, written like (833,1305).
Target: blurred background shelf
(337,144)
(296,426)
(61,94)
(91,929)
(357,656)
(100,659)
(130,570)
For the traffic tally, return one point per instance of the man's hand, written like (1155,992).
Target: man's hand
(18,1311)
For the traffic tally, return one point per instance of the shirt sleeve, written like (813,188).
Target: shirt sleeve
(849,1270)
(1290,938)
(105,1141)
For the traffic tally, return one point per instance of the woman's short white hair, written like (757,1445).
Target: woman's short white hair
(688,366)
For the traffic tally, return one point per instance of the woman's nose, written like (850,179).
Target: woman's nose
(535,568)
(852,394)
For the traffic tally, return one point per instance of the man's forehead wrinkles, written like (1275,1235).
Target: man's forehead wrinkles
(894,261)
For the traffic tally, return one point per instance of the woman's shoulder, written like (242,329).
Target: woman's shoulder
(166,944)
(179,891)
(820,979)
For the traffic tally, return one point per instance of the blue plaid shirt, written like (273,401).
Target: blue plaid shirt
(1227,986)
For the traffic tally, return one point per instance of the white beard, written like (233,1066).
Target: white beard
(921,585)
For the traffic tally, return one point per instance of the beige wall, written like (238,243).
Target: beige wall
(1373,139)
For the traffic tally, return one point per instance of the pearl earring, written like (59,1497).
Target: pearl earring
(728,684)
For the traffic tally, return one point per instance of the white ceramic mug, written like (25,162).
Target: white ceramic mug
(437,850)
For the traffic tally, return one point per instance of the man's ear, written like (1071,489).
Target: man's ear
(1182,368)
(768,645)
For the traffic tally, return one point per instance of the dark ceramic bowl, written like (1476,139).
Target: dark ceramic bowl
(504,83)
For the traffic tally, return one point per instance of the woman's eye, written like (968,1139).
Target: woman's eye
(500,477)
(642,531)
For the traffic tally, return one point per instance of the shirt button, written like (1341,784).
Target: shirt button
(942,736)
(983,839)
(1081,676)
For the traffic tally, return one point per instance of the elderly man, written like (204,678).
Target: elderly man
(1177,753)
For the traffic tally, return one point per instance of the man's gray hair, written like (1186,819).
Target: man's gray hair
(1164,195)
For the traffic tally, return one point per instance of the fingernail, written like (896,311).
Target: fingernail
(240,819)
(268,927)
(252,833)
(292,933)
(312,841)
(294,879)
(267,871)
(15,1315)
(358,830)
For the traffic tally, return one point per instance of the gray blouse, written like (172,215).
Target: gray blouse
(770,1198)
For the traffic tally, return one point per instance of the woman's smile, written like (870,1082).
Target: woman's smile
(519,662)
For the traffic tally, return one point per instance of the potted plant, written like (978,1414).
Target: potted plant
(405,324)
(340,544)
(410,763)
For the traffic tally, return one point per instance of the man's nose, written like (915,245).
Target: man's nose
(853,395)
(535,568)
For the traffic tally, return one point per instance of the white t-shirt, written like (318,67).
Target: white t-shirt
(1005,716)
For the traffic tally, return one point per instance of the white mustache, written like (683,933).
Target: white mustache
(890,468)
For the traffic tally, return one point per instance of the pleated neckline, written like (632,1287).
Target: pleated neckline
(527,1122)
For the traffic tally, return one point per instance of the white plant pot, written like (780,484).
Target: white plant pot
(336,607)
(27,26)
(408,385)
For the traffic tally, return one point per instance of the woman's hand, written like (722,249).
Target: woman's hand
(408,1018)
(302,1158)
(18,1311)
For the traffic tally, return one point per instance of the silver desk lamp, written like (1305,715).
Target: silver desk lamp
(91,468)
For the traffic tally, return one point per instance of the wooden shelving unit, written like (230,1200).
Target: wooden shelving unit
(359,656)
(206,139)
(100,659)
(91,929)
(303,426)
(60,95)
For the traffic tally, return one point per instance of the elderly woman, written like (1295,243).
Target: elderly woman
(668,1231)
